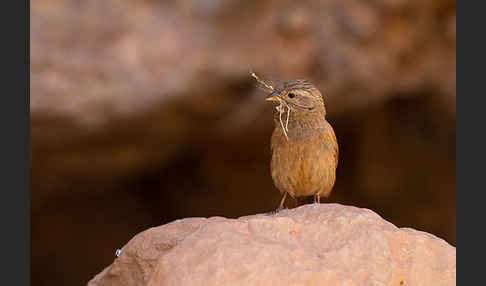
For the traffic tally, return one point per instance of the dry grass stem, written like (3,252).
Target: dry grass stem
(262,82)
(281,108)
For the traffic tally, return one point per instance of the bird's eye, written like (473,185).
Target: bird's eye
(291,95)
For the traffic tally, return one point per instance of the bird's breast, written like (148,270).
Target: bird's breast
(304,165)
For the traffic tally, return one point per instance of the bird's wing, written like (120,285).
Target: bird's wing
(333,142)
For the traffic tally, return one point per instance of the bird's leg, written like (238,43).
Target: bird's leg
(317,199)
(281,207)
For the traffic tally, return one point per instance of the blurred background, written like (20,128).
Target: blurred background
(143,112)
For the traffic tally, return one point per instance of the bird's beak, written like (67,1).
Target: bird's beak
(272,96)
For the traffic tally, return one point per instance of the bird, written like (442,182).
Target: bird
(303,144)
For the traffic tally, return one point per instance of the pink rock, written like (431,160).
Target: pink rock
(327,244)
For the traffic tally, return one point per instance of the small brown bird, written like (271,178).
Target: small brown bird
(304,146)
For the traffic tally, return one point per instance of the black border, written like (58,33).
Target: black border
(469,148)
(15,123)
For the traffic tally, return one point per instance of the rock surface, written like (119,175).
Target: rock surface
(327,244)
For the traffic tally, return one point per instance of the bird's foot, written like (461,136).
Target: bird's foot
(277,210)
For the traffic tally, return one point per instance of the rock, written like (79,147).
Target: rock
(327,244)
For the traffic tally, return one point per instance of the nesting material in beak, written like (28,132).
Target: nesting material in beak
(274,97)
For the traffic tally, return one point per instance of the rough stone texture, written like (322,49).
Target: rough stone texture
(327,244)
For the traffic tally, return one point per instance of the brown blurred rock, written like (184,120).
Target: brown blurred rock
(93,71)
(109,97)
(327,244)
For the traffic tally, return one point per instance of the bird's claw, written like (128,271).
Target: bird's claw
(277,210)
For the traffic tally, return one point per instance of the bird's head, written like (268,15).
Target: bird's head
(300,105)
(301,96)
